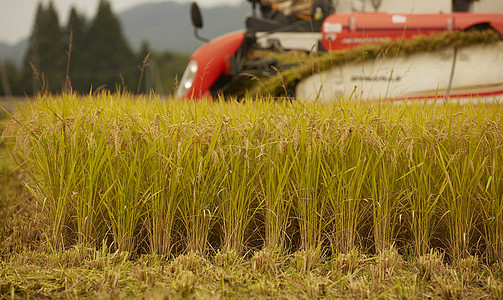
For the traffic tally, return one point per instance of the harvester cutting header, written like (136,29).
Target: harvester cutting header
(323,50)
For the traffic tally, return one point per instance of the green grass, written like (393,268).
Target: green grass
(142,197)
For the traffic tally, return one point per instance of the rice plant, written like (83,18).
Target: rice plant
(145,175)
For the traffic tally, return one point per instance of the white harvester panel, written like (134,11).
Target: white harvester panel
(418,76)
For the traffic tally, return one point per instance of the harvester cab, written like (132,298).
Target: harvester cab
(290,28)
(217,64)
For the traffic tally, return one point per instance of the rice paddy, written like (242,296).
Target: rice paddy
(264,198)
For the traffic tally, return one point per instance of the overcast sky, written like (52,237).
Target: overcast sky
(16,16)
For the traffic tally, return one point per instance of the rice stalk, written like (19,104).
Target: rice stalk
(142,175)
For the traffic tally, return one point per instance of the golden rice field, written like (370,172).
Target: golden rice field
(117,196)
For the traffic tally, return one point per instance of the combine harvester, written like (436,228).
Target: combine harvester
(359,55)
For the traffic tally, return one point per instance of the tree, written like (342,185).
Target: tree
(78,70)
(5,88)
(145,68)
(112,62)
(45,56)
(97,55)
(169,67)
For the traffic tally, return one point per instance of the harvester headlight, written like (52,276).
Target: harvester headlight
(187,79)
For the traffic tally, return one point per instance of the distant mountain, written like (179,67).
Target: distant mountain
(167,25)
(13,53)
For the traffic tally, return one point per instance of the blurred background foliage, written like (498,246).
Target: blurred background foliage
(100,58)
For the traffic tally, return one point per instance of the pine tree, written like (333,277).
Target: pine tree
(113,63)
(79,71)
(46,56)
(145,74)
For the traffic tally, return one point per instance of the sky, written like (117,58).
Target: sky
(16,16)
